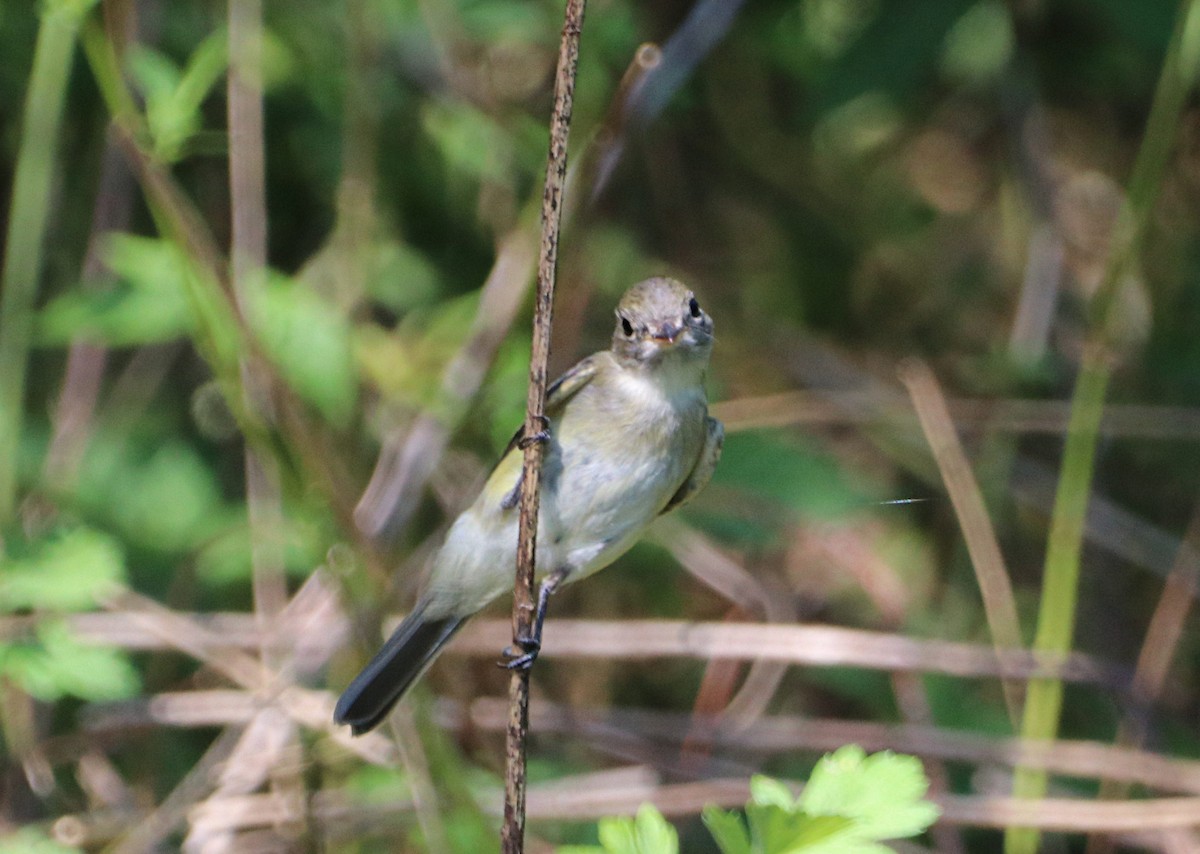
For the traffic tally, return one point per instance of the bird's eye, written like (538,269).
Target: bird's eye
(626,326)
(694,307)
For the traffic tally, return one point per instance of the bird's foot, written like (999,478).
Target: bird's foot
(523,660)
(542,435)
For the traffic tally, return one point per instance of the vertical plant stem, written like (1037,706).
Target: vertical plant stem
(27,216)
(1060,584)
(248,259)
(513,832)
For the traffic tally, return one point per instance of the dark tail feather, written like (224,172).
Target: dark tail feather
(410,649)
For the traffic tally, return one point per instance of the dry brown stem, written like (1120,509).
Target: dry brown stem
(512,838)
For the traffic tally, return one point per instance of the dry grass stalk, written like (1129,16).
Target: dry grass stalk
(776,734)
(819,646)
(995,585)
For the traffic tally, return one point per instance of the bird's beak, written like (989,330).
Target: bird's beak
(667,334)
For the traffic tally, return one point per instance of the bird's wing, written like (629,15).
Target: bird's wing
(557,394)
(706,464)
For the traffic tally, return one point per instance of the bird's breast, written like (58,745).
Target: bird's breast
(625,450)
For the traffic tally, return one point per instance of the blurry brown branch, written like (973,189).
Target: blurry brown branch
(86,360)
(1159,649)
(712,567)
(995,585)
(814,646)
(213,638)
(769,734)
(313,710)
(559,802)
(834,408)
(269,750)
(512,833)
(1166,624)
(146,832)
(587,797)
(785,733)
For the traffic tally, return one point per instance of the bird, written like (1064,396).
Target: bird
(627,438)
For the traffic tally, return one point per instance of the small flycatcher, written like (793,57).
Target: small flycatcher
(629,438)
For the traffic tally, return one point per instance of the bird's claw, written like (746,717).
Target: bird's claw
(542,435)
(530,647)
(539,436)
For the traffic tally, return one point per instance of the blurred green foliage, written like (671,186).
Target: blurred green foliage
(845,183)
(65,572)
(851,804)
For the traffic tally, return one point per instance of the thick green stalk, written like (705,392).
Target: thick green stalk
(1060,584)
(27,225)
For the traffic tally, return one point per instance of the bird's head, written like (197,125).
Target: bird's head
(660,320)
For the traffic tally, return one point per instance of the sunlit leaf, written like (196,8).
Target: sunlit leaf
(728,829)
(655,835)
(173,96)
(85,670)
(31,840)
(980,44)
(171,501)
(148,304)
(58,664)
(467,138)
(647,833)
(407,363)
(309,340)
(505,392)
(882,793)
(66,573)
(766,791)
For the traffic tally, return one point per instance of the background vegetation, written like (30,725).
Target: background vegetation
(251,363)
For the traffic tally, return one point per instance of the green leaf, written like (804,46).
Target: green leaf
(30,840)
(617,835)
(728,830)
(882,793)
(309,341)
(147,305)
(766,791)
(655,835)
(467,138)
(173,500)
(788,472)
(504,394)
(59,664)
(827,834)
(173,97)
(980,44)
(65,573)
(226,557)
(407,363)
(401,277)
(72,11)
(775,829)
(84,670)
(648,833)
(170,500)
